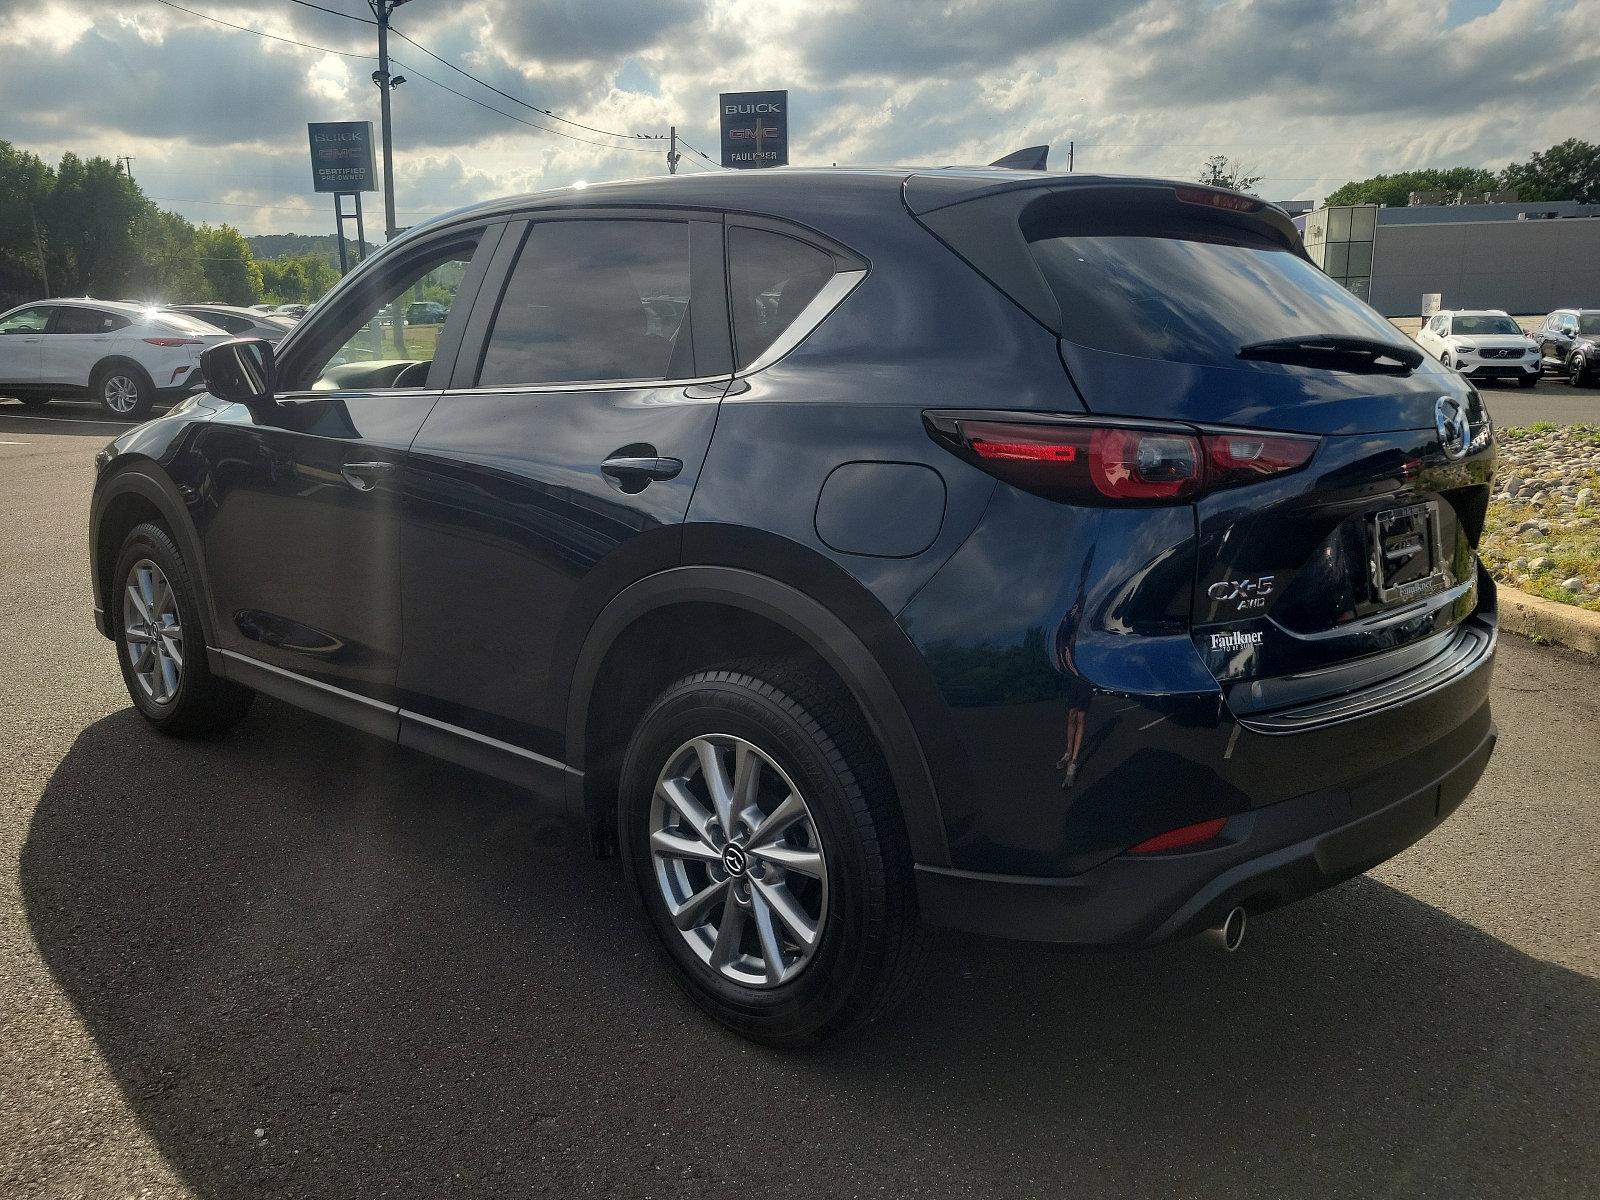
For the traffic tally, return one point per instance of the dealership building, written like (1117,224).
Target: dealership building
(1523,258)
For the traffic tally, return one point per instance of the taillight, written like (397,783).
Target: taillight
(1100,464)
(1181,838)
(174,341)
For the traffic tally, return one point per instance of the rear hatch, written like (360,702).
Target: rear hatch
(1197,308)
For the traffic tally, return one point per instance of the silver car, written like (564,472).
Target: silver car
(241,322)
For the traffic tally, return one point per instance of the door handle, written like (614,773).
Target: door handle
(364,476)
(626,469)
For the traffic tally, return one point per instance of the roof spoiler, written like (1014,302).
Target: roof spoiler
(1029,158)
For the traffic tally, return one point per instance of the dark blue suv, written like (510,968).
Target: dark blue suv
(1058,557)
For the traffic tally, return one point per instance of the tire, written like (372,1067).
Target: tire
(857,892)
(33,402)
(1577,371)
(124,391)
(1528,381)
(1448,365)
(184,698)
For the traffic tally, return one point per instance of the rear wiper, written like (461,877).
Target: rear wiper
(1338,351)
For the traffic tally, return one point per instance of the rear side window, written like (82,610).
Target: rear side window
(589,301)
(771,278)
(1158,282)
(87,320)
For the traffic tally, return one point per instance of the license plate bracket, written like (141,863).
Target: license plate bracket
(1406,557)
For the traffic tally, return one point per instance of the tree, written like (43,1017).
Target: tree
(1568,171)
(93,211)
(1394,191)
(25,185)
(1221,171)
(231,273)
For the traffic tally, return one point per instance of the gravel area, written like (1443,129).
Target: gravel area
(1543,532)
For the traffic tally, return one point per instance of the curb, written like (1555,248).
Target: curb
(1536,617)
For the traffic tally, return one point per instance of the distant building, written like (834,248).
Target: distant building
(1523,257)
(1295,208)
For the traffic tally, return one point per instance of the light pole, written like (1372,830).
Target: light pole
(381,9)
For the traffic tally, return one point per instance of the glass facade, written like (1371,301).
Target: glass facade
(1339,240)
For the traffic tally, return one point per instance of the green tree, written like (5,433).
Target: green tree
(25,185)
(1221,171)
(93,212)
(1394,190)
(231,273)
(1568,171)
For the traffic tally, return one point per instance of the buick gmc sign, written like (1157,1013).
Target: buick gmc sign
(755,129)
(341,156)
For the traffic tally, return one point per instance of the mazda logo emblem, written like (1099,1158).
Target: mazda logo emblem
(733,858)
(1455,432)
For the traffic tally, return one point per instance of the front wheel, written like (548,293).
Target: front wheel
(1577,370)
(124,391)
(155,619)
(1528,381)
(761,834)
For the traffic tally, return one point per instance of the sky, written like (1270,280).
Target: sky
(1307,93)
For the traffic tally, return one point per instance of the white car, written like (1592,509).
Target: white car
(126,356)
(241,322)
(1482,344)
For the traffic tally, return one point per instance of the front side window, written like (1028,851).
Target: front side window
(366,342)
(771,278)
(594,300)
(27,320)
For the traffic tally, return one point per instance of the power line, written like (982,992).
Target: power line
(701,153)
(530,107)
(334,12)
(270,36)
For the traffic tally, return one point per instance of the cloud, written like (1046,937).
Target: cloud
(1307,92)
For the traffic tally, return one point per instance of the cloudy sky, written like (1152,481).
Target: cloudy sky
(1308,93)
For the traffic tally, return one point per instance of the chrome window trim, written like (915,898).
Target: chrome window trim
(831,295)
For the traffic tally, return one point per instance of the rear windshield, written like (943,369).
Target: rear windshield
(1589,323)
(1188,290)
(1482,325)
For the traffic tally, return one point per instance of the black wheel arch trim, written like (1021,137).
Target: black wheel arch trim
(850,656)
(138,478)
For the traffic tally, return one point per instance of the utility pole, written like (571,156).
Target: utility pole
(38,242)
(381,9)
(127,165)
(672,152)
(1069,155)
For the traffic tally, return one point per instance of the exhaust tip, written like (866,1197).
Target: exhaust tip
(1229,935)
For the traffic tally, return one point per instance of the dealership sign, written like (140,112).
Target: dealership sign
(755,129)
(341,156)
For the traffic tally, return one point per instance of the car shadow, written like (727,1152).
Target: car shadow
(65,418)
(317,965)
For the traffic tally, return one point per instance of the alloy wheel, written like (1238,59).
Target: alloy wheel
(120,392)
(738,861)
(1577,367)
(152,634)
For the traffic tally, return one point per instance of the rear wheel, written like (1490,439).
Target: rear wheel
(762,836)
(123,391)
(1578,370)
(155,620)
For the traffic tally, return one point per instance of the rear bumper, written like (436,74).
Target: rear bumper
(1264,858)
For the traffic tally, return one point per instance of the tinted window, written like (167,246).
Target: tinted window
(1589,323)
(26,320)
(594,300)
(770,279)
(1484,325)
(1188,289)
(85,320)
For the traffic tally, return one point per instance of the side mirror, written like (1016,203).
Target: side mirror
(243,371)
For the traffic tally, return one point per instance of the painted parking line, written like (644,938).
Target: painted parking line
(16,443)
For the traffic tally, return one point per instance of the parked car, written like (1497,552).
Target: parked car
(126,356)
(1483,344)
(1569,342)
(426,312)
(241,322)
(293,311)
(263,308)
(1060,557)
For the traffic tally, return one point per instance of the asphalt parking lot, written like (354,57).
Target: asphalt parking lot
(297,962)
